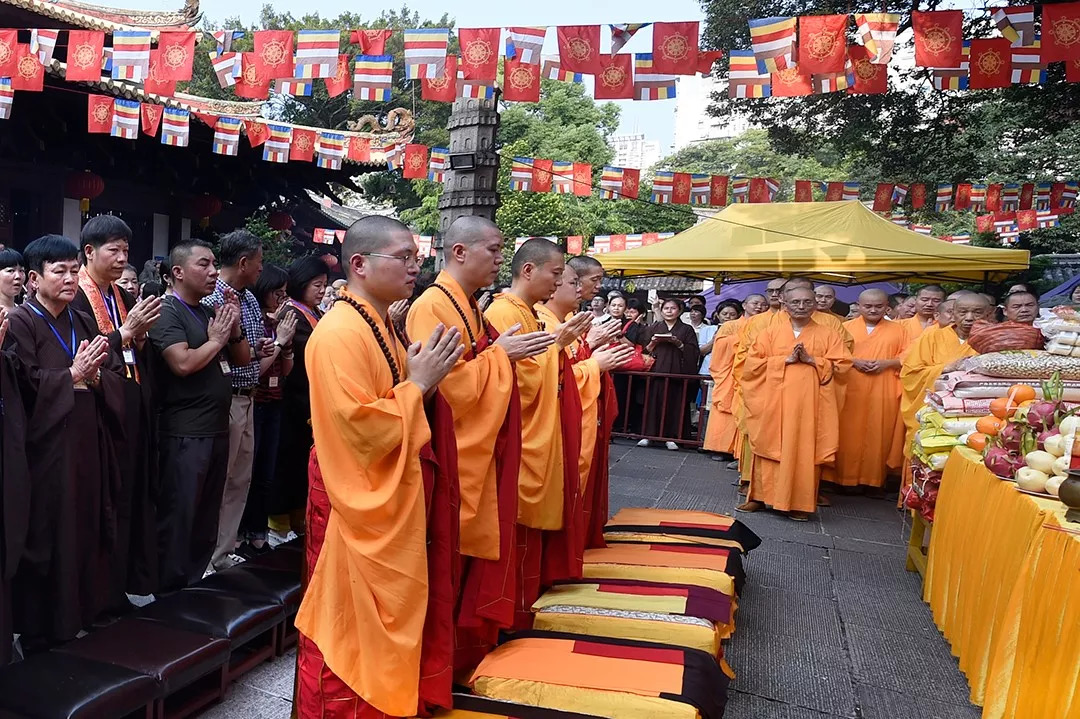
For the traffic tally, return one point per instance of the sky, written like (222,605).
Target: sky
(655,119)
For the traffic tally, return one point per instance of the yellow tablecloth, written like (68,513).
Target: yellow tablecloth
(1004,586)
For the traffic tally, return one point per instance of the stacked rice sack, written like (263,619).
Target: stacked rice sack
(939,431)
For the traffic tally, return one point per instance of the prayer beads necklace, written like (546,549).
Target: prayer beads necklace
(394,371)
(461,313)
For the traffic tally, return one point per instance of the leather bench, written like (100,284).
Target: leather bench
(260,582)
(58,685)
(190,669)
(283,559)
(250,624)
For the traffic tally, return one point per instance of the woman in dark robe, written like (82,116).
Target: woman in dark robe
(286,497)
(673,345)
(75,412)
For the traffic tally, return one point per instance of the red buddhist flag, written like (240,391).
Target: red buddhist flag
(984,223)
(359,149)
(339,83)
(444,87)
(1061,33)
(993,197)
(177,51)
(822,43)
(253,83)
(303,145)
(706,59)
(575,244)
(1057,191)
(918,196)
(615,80)
(791,82)
(834,192)
(582,179)
(1027,220)
(618,243)
(675,48)
(1027,195)
(990,64)
(99,114)
(718,190)
(883,197)
(274,53)
(804,191)
(84,55)
(1072,70)
(541,176)
(371,42)
(256,132)
(579,48)
(150,116)
(479,53)
(631,180)
(939,38)
(521,81)
(962,200)
(680,188)
(759,190)
(9,48)
(416,162)
(29,72)
(156,83)
(870,79)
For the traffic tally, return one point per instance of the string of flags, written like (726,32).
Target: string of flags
(578,244)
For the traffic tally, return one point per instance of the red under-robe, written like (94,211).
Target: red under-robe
(564,549)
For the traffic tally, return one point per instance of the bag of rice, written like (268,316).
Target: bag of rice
(1026,364)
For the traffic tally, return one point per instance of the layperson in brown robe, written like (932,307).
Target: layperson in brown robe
(14,482)
(76,411)
(673,344)
(124,321)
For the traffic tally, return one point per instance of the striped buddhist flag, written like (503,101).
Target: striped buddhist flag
(663,188)
(43,44)
(438,162)
(649,84)
(524,43)
(1069,193)
(773,43)
(1017,24)
(898,218)
(944,197)
(330,150)
(740,189)
(317,53)
(225,38)
(700,186)
(125,121)
(611,181)
(553,71)
(954,78)
(562,177)
(425,53)
(744,78)
(878,34)
(227,136)
(1042,196)
(295,87)
(131,55)
(521,174)
(227,67)
(834,81)
(373,77)
(7,95)
(1027,65)
(278,141)
(1047,219)
(962,238)
(175,127)
(977,199)
(1010,197)
(922,229)
(474,89)
(850,191)
(395,155)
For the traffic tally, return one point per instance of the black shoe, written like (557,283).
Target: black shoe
(249,551)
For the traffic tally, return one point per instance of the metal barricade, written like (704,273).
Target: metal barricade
(633,415)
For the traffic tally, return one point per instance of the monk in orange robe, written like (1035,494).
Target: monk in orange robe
(722,431)
(364,621)
(871,431)
(789,388)
(537,270)
(927,300)
(482,393)
(934,353)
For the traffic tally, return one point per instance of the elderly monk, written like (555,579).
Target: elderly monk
(792,418)
(943,315)
(927,300)
(537,270)
(1022,307)
(564,550)
(722,432)
(871,431)
(825,297)
(364,621)
(482,393)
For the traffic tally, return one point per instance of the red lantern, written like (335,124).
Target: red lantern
(83,186)
(280,220)
(203,207)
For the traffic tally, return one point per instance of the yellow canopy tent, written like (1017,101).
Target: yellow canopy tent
(836,242)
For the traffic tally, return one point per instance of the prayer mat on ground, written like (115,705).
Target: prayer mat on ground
(680,525)
(606,677)
(718,568)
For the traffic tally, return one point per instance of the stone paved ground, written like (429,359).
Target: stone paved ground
(829,624)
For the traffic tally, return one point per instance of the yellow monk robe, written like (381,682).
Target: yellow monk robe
(792,412)
(721,433)
(478,391)
(365,605)
(540,487)
(871,430)
(923,363)
(913,328)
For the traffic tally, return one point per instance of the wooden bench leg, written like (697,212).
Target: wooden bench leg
(916,557)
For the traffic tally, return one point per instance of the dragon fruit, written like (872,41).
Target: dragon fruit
(1011,436)
(1001,462)
(1041,415)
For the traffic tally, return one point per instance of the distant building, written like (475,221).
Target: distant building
(693,123)
(635,152)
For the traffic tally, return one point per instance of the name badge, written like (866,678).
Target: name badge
(225,368)
(273,382)
(80,386)
(129,356)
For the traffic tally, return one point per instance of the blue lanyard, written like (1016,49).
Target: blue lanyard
(70,349)
(110,307)
(201,320)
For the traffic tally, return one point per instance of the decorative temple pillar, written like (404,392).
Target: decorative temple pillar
(469,187)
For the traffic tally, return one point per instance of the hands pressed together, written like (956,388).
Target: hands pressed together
(799,354)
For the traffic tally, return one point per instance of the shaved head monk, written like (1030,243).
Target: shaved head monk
(537,270)
(364,621)
(871,431)
(722,433)
(774,293)
(825,297)
(482,393)
(792,409)
(1022,307)
(927,300)
(943,315)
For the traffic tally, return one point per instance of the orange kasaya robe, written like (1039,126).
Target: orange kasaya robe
(871,430)
(913,328)
(791,413)
(482,392)
(722,432)
(376,621)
